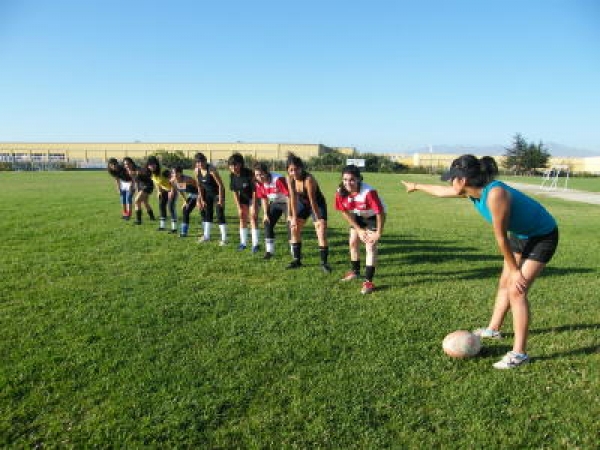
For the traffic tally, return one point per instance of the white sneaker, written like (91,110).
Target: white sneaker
(202,240)
(511,360)
(487,333)
(222,243)
(350,276)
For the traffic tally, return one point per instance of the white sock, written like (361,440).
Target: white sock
(223,229)
(243,236)
(161,223)
(174,224)
(255,236)
(270,246)
(206,227)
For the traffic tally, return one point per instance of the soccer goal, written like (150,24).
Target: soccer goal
(551,178)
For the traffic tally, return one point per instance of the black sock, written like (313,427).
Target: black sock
(324,251)
(138,215)
(369,273)
(151,214)
(355,266)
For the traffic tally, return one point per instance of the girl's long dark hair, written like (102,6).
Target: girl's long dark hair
(355,172)
(293,160)
(478,172)
(263,168)
(116,170)
(154,160)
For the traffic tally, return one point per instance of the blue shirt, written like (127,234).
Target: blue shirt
(527,217)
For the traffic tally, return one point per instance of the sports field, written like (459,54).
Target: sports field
(113,335)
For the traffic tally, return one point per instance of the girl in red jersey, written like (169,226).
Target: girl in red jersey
(271,189)
(364,211)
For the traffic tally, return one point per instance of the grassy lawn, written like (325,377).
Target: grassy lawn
(114,335)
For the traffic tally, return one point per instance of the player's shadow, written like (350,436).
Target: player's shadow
(565,329)
(499,350)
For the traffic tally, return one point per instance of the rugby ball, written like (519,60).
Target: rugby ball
(461,344)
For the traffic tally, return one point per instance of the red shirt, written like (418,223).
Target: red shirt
(365,203)
(276,191)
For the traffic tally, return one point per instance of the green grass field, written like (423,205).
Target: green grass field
(114,335)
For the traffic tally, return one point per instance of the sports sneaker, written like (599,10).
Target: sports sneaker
(512,360)
(367,287)
(294,264)
(182,235)
(171,231)
(137,222)
(161,229)
(255,249)
(222,243)
(268,255)
(202,240)
(325,267)
(352,275)
(487,333)
(241,247)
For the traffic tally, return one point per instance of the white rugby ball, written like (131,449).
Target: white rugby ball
(461,344)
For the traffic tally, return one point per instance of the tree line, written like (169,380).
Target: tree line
(521,158)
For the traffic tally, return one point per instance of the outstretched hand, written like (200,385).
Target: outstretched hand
(410,187)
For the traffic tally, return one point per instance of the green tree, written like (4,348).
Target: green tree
(524,157)
(172,159)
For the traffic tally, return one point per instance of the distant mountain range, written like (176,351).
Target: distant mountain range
(555,150)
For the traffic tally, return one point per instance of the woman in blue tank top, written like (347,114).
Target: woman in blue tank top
(526,234)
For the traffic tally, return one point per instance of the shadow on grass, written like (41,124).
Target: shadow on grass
(592,349)
(564,328)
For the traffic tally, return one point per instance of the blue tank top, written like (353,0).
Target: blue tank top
(527,217)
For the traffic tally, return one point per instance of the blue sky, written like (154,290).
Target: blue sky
(376,75)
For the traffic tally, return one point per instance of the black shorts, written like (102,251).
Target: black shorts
(366,223)
(537,248)
(304,210)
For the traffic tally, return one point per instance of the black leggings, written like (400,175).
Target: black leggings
(211,204)
(275,211)
(189,206)
(163,202)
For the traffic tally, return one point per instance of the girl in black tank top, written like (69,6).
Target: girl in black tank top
(211,198)
(144,186)
(306,199)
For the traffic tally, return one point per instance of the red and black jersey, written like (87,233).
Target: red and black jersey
(275,191)
(365,203)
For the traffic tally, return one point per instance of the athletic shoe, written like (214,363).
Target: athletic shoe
(352,275)
(268,255)
(137,222)
(294,264)
(487,333)
(222,243)
(182,235)
(367,287)
(241,247)
(325,267)
(161,229)
(202,240)
(126,217)
(255,249)
(511,360)
(173,231)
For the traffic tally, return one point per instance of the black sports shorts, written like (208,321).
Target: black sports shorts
(537,248)
(366,223)
(303,211)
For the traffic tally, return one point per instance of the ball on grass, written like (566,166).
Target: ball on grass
(461,344)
